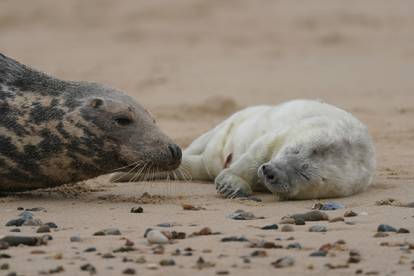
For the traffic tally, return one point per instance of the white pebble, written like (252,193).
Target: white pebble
(155,236)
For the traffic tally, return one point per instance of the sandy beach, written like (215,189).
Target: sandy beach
(192,63)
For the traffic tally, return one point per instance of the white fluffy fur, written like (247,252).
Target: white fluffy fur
(262,134)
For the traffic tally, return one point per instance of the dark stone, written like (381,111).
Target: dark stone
(318,254)
(270,227)
(138,210)
(386,228)
(234,239)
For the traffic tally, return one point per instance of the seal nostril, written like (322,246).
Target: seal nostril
(175,151)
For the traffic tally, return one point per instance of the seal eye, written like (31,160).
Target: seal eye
(123,121)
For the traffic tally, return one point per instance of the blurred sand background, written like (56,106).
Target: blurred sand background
(194,62)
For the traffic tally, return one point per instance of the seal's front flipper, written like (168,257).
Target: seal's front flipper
(230,185)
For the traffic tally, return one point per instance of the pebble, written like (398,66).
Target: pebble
(159,249)
(137,210)
(259,253)
(3,245)
(265,244)
(242,215)
(283,262)
(287,220)
(381,235)
(4,266)
(156,237)
(124,249)
(270,227)
(294,245)
(88,267)
(354,257)
(328,206)
(57,269)
(16,222)
(165,225)
(311,216)
(25,240)
(203,232)
(190,207)
(26,215)
(90,249)
(37,209)
(43,229)
(287,228)
(32,222)
(178,235)
(403,231)
(318,228)
(300,221)
(222,272)
(234,239)
(350,213)
(12,274)
(108,231)
(386,228)
(318,253)
(108,256)
(336,219)
(167,262)
(129,271)
(152,266)
(75,239)
(51,224)
(201,263)
(15,230)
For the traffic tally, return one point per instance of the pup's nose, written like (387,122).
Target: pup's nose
(268,172)
(175,151)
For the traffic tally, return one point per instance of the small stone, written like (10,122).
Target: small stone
(156,237)
(234,239)
(167,262)
(57,269)
(152,266)
(108,231)
(4,266)
(25,240)
(5,256)
(178,235)
(37,209)
(265,244)
(124,249)
(16,222)
(108,256)
(32,222)
(318,253)
(37,252)
(222,272)
(75,239)
(26,215)
(287,220)
(354,257)
(88,267)
(129,271)
(165,225)
(20,208)
(270,227)
(311,216)
(328,206)
(141,260)
(300,221)
(403,231)
(15,230)
(381,235)
(204,232)
(12,274)
(90,249)
(386,228)
(350,213)
(283,262)
(242,215)
(190,207)
(294,245)
(287,228)
(137,210)
(129,243)
(201,263)
(318,228)
(159,249)
(336,219)
(259,253)
(51,224)
(43,229)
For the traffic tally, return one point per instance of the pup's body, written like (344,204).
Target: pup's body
(297,150)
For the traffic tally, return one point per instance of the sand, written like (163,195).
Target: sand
(192,63)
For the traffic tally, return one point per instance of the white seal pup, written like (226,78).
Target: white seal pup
(300,149)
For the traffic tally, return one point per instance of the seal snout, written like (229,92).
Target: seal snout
(175,152)
(268,172)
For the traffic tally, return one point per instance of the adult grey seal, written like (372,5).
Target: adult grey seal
(300,149)
(54,131)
